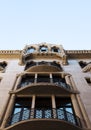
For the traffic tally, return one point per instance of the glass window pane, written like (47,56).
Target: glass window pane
(69,110)
(16,110)
(30,50)
(43,49)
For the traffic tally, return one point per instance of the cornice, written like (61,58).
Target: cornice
(78,54)
(69,53)
(16,54)
(10,52)
(78,51)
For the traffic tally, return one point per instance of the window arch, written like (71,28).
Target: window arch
(30,50)
(55,49)
(43,48)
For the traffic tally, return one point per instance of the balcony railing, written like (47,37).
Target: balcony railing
(42,63)
(59,114)
(57,82)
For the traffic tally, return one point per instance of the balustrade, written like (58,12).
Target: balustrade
(41,79)
(54,113)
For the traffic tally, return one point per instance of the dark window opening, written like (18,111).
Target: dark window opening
(58,79)
(30,64)
(54,49)
(3,65)
(21,110)
(43,107)
(43,103)
(88,80)
(43,63)
(54,63)
(26,80)
(82,64)
(43,78)
(43,49)
(65,110)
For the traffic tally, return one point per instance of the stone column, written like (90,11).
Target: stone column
(33,102)
(54,107)
(9,111)
(32,107)
(36,75)
(51,79)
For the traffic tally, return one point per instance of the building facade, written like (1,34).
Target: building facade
(45,87)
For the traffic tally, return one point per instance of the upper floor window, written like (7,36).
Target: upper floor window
(21,109)
(43,109)
(82,64)
(26,80)
(55,49)
(3,66)
(43,49)
(65,109)
(88,80)
(30,50)
(86,66)
(43,78)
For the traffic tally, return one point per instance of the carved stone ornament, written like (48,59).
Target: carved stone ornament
(87,68)
(58,52)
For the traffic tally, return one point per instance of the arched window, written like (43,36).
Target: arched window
(30,50)
(43,48)
(55,49)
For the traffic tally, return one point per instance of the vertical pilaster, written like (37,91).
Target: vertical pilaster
(67,79)
(9,111)
(86,122)
(73,83)
(77,110)
(54,107)
(18,79)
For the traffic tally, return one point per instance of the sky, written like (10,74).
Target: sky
(64,22)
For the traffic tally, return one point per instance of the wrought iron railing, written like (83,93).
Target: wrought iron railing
(28,65)
(59,114)
(62,84)
(57,82)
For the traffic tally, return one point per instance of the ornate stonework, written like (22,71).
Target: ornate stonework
(48,50)
(87,68)
(45,92)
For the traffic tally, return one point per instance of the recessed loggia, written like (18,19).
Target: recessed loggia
(43,84)
(23,116)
